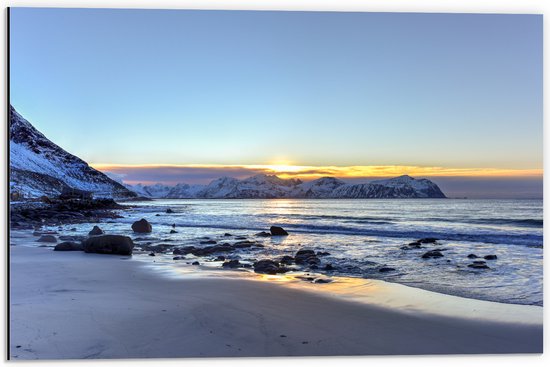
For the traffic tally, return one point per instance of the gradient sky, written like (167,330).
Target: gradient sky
(150,87)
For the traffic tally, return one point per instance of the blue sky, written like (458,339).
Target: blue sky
(150,87)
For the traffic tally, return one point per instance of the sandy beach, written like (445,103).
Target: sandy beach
(76,305)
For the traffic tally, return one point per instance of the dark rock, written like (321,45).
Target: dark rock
(47,238)
(142,226)
(96,231)
(232,264)
(321,281)
(415,245)
(152,254)
(479,262)
(220,258)
(240,238)
(157,215)
(386,269)
(69,246)
(208,242)
(287,260)
(195,263)
(490,257)
(184,250)
(173,231)
(244,244)
(427,240)
(472,256)
(306,257)
(178,258)
(263,234)
(227,235)
(268,267)
(432,254)
(109,244)
(278,231)
(478,266)
(323,253)
(72,238)
(169,211)
(160,248)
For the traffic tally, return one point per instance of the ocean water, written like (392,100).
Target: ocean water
(364,235)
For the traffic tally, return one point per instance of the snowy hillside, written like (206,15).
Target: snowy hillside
(269,187)
(40,167)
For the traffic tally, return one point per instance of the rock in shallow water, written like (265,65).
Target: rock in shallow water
(278,231)
(268,267)
(232,264)
(142,226)
(478,266)
(427,240)
(490,257)
(109,244)
(306,256)
(96,231)
(432,255)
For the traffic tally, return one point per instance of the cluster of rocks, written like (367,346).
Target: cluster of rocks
(438,253)
(273,231)
(303,257)
(101,243)
(98,242)
(215,248)
(29,215)
(480,264)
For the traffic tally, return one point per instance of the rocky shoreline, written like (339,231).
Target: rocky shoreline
(229,251)
(34,214)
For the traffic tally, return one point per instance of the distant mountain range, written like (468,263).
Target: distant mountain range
(273,187)
(40,167)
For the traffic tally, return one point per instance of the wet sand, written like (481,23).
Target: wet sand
(77,305)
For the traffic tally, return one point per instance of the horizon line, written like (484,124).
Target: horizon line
(351,172)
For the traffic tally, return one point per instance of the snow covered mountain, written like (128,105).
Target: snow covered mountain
(40,167)
(271,187)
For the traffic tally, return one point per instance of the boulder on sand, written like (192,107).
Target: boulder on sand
(109,244)
(142,226)
(68,246)
(278,231)
(96,231)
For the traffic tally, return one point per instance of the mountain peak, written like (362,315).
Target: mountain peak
(40,167)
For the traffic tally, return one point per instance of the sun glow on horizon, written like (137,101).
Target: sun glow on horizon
(285,170)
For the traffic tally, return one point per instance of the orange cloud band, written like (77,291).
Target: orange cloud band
(312,172)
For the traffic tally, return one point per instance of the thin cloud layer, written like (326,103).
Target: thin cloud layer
(456,182)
